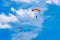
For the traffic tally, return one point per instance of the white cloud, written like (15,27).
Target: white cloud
(4,26)
(29,18)
(24,13)
(4,20)
(23,36)
(49,1)
(57,2)
(26,1)
(10,18)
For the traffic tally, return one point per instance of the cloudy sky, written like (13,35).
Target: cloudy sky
(16,14)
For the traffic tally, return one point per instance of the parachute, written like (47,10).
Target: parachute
(36,10)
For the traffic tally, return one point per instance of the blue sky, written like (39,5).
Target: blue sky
(17,13)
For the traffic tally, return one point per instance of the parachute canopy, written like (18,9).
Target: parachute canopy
(36,10)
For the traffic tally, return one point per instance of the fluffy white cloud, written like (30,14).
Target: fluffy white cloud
(27,1)
(4,20)
(10,18)
(49,1)
(28,18)
(57,2)
(23,36)
(4,26)
(24,13)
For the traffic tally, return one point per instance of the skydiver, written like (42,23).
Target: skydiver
(36,16)
(20,28)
